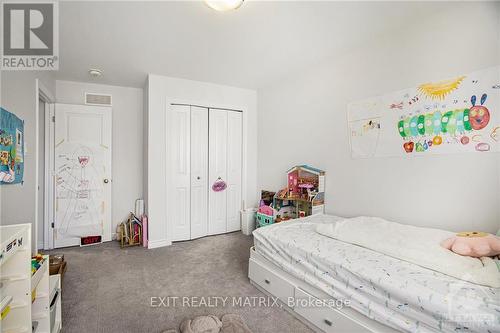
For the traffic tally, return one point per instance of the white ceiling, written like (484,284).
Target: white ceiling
(251,47)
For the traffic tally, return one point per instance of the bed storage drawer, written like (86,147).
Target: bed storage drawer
(324,317)
(271,282)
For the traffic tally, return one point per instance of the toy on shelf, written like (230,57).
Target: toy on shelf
(265,215)
(282,194)
(36,263)
(266,198)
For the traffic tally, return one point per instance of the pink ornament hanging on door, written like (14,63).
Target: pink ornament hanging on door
(219,185)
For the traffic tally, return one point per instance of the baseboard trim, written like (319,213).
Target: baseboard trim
(158,243)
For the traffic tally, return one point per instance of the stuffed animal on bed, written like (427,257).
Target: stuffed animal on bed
(473,244)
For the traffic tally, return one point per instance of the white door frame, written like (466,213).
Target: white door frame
(210,105)
(43,93)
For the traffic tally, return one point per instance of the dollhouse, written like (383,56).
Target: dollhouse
(303,196)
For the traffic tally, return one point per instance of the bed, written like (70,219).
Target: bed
(384,293)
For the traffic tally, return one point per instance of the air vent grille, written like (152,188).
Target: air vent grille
(97,99)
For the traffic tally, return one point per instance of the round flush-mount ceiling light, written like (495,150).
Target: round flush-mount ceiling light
(94,72)
(224,5)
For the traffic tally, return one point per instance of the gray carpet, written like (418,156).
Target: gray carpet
(107,289)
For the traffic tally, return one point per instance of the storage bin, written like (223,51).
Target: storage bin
(58,267)
(264,219)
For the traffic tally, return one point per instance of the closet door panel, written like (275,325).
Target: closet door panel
(234,164)
(179,183)
(217,170)
(199,172)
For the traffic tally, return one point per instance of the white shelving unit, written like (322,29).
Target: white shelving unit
(17,286)
(55,292)
(40,311)
(15,278)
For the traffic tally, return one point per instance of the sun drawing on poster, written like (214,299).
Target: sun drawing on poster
(439,90)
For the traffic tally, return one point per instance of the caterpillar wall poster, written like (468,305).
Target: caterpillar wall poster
(457,115)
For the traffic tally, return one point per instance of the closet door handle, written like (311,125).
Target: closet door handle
(267,281)
(328,322)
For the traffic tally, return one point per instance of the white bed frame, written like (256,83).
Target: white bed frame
(273,281)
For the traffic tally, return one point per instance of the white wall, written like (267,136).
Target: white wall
(161,88)
(18,91)
(127,141)
(302,119)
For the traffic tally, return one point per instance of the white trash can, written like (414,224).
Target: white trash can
(248,220)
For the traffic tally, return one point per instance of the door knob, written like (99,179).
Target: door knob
(106,181)
(198,177)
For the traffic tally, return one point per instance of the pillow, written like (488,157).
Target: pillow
(473,244)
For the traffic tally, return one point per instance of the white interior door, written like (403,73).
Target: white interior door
(234,172)
(83,173)
(179,183)
(199,172)
(217,170)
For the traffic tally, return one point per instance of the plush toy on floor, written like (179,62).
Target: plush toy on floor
(233,323)
(229,323)
(473,244)
(202,324)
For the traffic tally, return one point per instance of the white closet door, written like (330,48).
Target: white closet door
(234,156)
(199,172)
(217,170)
(179,184)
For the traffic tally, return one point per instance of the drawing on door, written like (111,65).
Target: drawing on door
(80,191)
(82,167)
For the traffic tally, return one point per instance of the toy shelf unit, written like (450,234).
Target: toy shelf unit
(40,294)
(15,279)
(304,194)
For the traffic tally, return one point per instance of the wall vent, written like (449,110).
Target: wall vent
(97,99)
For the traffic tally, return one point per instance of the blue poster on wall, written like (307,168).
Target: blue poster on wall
(11,148)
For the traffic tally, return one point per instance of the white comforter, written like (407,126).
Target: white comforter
(420,246)
(399,294)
